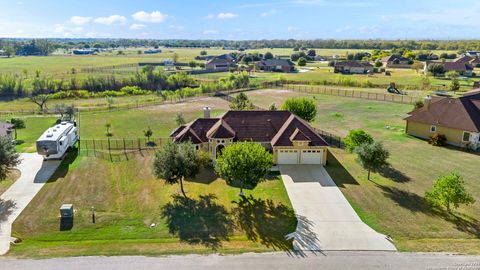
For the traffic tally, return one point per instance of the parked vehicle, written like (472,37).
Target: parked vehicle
(57,140)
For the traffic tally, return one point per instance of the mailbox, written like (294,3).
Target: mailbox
(66,210)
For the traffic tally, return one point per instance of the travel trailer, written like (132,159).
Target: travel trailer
(57,140)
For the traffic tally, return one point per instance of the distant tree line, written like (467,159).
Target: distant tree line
(43,46)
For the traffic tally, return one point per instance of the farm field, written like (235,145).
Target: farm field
(128,124)
(128,200)
(393,202)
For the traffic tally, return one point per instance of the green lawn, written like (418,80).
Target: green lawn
(393,203)
(128,124)
(12,176)
(128,199)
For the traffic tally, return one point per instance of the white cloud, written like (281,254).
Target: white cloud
(209,16)
(79,20)
(176,27)
(137,26)
(226,15)
(210,32)
(66,31)
(269,13)
(153,17)
(112,19)
(344,29)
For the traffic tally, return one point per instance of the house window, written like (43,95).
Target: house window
(466,136)
(433,129)
(196,147)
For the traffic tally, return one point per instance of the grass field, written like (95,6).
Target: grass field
(128,199)
(12,176)
(128,124)
(393,203)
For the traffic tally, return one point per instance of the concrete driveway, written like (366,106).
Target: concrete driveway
(34,174)
(326,221)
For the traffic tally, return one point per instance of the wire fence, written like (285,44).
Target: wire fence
(311,89)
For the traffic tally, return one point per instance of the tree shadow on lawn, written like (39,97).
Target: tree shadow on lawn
(416,203)
(198,221)
(394,174)
(339,174)
(205,176)
(6,208)
(265,222)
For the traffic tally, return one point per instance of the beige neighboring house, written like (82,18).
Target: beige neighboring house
(456,118)
(353,67)
(289,138)
(6,130)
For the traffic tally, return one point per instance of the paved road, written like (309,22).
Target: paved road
(34,174)
(326,219)
(329,260)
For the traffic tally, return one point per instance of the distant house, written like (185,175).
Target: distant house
(353,67)
(275,65)
(464,69)
(6,130)
(472,54)
(463,59)
(456,118)
(395,61)
(152,51)
(475,62)
(221,63)
(289,138)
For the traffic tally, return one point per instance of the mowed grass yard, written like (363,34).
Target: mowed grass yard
(393,202)
(128,200)
(125,124)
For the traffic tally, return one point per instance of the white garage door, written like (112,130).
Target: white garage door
(287,156)
(311,157)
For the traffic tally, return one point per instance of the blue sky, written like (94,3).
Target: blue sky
(239,20)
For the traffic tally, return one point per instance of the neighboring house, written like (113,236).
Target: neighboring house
(463,59)
(395,61)
(274,65)
(353,67)
(464,69)
(220,63)
(475,62)
(456,118)
(6,130)
(472,54)
(84,51)
(289,138)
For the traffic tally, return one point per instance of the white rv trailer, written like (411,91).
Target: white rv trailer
(56,140)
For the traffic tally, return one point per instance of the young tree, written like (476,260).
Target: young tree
(305,108)
(110,101)
(268,55)
(372,156)
(148,133)
(17,124)
(176,161)
(108,126)
(449,190)
(192,64)
(41,100)
(9,51)
(179,119)
(455,85)
(244,164)
(273,107)
(436,69)
(302,61)
(311,53)
(203,52)
(241,103)
(355,138)
(417,65)
(9,158)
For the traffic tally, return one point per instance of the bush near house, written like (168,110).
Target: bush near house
(438,140)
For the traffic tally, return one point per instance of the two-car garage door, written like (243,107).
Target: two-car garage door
(296,156)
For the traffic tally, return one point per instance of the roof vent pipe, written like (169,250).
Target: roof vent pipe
(206,112)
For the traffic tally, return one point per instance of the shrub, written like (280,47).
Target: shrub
(355,138)
(418,104)
(305,108)
(438,140)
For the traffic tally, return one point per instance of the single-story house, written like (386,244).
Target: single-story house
(220,63)
(475,62)
(353,67)
(472,54)
(463,59)
(283,65)
(84,51)
(464,69)
(152,51)
(456,118)
(289,138)
(6,130)
(395,61)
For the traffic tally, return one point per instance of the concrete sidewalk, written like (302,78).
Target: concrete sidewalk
(326,221)
(34,174)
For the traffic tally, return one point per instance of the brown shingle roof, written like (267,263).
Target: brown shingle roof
(353,64)
(458,113)
(457,66)
(258,126)
(463,59)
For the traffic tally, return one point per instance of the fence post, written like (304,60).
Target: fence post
(94,149)
(139,149)
(124,150)
(109,151)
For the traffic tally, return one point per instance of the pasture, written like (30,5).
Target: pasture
(393,202)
